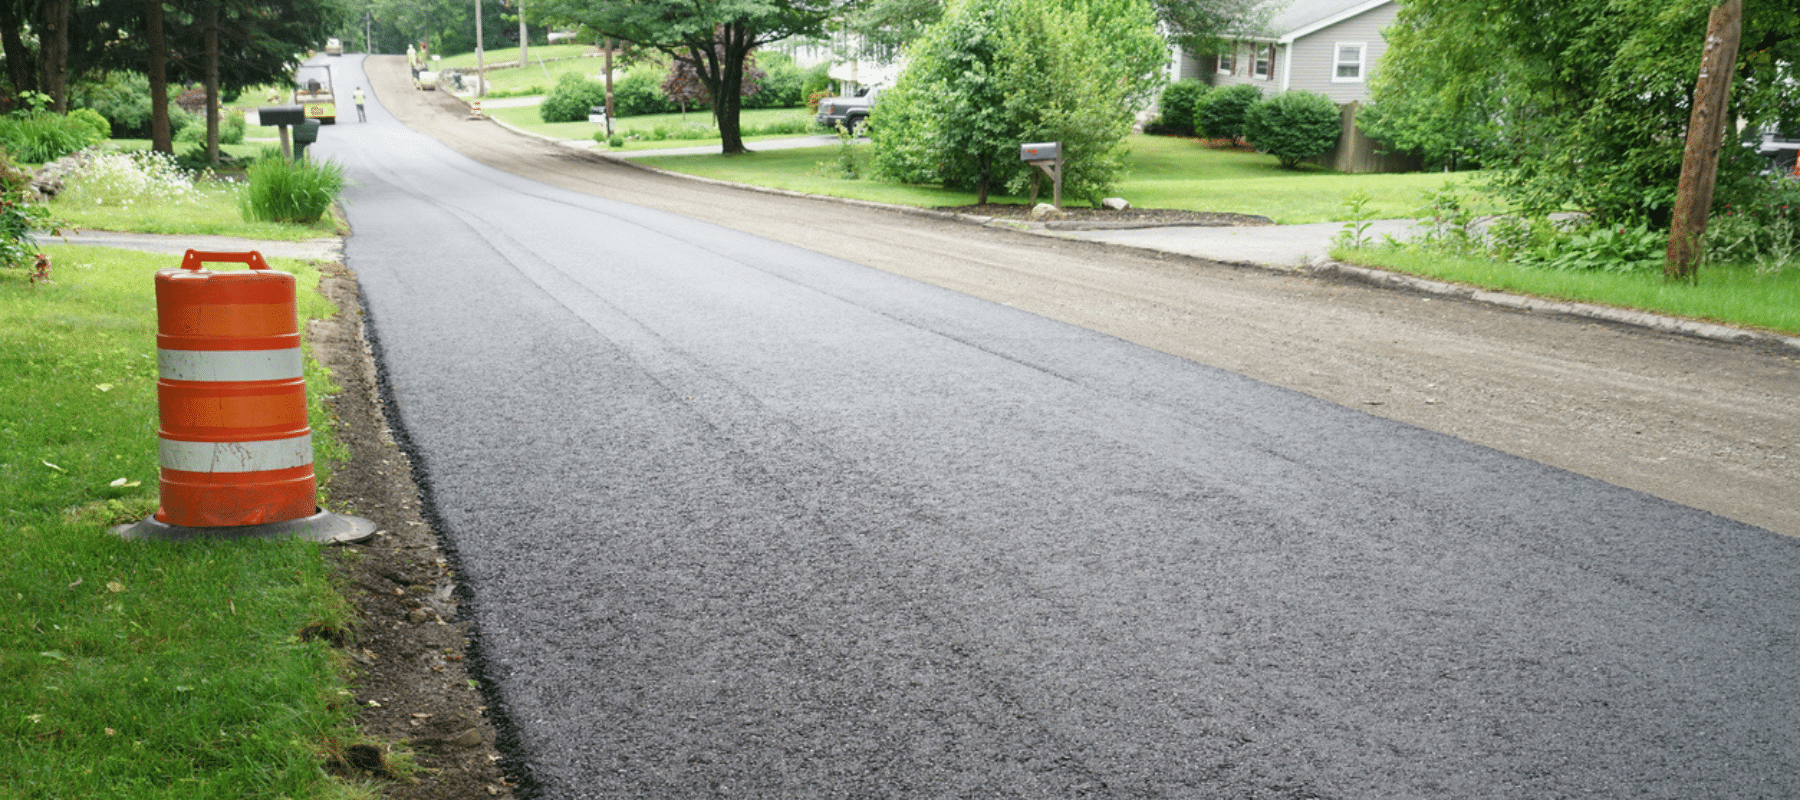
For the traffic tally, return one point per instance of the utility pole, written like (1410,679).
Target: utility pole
(609,91)
(480,65)
(523,41)
(1706,134)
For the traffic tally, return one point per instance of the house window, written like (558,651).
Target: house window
(1264,56)
(1349,66)
(1228,60)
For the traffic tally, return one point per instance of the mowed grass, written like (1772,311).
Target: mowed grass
(1162,172)
(644,127)
(133,669)
(1734,294)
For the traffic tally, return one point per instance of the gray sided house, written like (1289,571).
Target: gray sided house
(1330,47)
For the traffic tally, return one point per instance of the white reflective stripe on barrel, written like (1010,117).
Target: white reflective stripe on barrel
(257,456)
(229,365)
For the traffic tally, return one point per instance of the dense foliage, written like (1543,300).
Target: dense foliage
(572,98)
(885,28)
(18,217)
(1220,114)
(1293,126)
(1582,105)
(994,74)
(1177,105)
(715,36)
(39,136)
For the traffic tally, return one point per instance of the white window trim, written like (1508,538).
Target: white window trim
(1227,62)
(1264,53)
(1362,58)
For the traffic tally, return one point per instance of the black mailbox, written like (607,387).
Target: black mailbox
(281,115)
(306,132)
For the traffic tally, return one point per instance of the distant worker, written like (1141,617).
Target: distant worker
(412,60)
(358,96)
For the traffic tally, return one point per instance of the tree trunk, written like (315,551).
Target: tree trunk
(212,83)
(53,52)
(12,46)
(1706,134)
(158,70)
(728,95)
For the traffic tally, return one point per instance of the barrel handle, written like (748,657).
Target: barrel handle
(195,258)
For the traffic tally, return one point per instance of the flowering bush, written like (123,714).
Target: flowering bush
(18,216)
(111,178)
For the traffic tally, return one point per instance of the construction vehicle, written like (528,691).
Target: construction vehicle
(312,90)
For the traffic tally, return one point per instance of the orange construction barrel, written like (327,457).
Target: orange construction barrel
(234,446)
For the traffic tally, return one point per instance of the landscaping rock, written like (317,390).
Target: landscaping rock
(1115,203)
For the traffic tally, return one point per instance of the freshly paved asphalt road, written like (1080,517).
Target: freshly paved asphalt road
(741,519)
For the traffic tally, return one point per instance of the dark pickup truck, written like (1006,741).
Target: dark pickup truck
(850,112)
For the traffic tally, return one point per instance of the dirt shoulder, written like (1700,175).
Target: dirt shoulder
(412,684)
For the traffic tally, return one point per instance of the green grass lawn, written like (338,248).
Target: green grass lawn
(214,209)
(1734,294)
(644,127)
(132,669)
(1163,172)
(547,64)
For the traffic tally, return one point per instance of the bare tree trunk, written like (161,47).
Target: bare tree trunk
(53,51)
(160,138)
(212,83)
(12,45)
(1706,134)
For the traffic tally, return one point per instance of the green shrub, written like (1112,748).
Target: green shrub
(1293,126)
(1219,114)
(231,130)
(783,82)
(298,191)
(36,137)
(122,97)
(1178,102)
(572,98)
(18,217)
(639,92)
(91,118)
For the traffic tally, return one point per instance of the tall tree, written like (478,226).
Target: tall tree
(53,50)
(715,36)
(995,74)
(260,36)
(1578,105)
(885,27)
(161,139)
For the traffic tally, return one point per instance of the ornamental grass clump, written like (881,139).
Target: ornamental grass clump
(291,191)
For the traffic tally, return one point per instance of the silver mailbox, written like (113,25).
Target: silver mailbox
(1041,151)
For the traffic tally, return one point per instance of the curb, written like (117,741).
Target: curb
(1325,268)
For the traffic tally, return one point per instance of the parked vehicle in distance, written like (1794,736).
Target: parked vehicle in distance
(851,112)
(333,47)
(1782,149)
(312,89)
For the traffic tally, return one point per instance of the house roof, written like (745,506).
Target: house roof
(1292,19)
